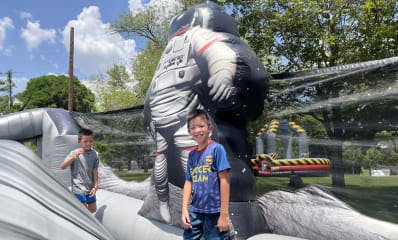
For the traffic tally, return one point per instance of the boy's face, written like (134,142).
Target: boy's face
(199,130)
(86,142)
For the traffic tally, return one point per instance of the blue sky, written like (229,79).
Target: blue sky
(34,37)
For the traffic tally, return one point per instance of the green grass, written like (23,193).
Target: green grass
(375,197)
(133,176)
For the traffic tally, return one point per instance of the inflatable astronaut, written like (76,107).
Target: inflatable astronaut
(204,65)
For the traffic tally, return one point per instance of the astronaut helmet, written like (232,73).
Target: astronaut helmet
(206,15)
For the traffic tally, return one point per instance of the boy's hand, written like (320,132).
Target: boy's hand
(223,223)
(186,222)
(79,151)
(93,191)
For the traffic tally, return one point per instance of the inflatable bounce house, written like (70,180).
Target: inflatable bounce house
(290,135)
(205,65)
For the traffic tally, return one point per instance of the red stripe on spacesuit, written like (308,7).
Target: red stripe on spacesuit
(207,45)
(180,31)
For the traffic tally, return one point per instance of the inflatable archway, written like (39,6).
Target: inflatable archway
(290,132)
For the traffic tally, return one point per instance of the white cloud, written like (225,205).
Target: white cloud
(8,51)
(96,49)
(57,74)
(135,6)
(25,15)
(34,35)
(43,58)
(20,84)
(5,24)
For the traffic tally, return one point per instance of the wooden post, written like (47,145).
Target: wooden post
(9,80)
(70,92)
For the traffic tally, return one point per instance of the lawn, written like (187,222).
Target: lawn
(133,176)
(373,196)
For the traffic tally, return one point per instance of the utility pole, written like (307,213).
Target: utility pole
(10,85)
(71,49)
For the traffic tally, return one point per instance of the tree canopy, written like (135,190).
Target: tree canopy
(115,90)
(52,91)
(152,26)
(313,34)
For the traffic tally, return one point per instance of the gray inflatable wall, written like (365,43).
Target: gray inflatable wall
(35,205)
(54,130)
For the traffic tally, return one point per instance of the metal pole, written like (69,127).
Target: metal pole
(70,92)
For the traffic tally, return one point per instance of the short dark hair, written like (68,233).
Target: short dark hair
(85,132)
(198,113)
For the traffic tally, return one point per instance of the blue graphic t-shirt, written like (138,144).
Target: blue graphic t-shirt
(202,170)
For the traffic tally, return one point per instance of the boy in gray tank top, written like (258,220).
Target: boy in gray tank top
(83,164)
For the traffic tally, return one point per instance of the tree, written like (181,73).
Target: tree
(118,76)
(388,140)
(144,67)
(52,91)
(352,158)
(372,158)
(114,90)
(152,26)
(315,34)
(185,4)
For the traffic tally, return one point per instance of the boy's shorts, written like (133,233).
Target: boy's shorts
(204,225)
(86,198)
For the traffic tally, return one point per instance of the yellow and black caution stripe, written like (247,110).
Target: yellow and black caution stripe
(300,161)
(268,157)
(296,127)
(271,158)
(273,126)
(262,130)
(254,161)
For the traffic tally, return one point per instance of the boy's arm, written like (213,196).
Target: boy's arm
(186,195)
(223,220)
(95,181)
(69,160)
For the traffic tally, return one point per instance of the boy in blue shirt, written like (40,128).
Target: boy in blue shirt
(205,202)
